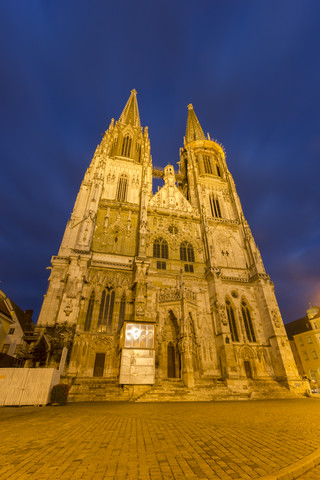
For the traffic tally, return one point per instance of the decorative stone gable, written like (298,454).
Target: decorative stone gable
(169,197)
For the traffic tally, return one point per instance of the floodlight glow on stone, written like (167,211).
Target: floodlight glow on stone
(134,333)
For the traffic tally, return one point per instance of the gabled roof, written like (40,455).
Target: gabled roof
(23,317)
(298,326)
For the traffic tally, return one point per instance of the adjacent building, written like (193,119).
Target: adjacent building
(15,324)
(304,336)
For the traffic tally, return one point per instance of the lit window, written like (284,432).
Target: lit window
(139,335)
(5,348)
(214,206)
(314,354)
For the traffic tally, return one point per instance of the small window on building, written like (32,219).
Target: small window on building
(214,206)
(232,322)
(161,265)
(122,188)
(186,252)
(5,348)
(160,248)
(301,341)
(126,146)
(314,354)
(207,164)
(305,355)
(188,268)
(106,309)
(11,331)
(309,339)
(248,322)
(218,170)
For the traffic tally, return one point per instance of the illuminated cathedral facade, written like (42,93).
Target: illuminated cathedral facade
(159,294)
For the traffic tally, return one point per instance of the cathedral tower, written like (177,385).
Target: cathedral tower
(152,288)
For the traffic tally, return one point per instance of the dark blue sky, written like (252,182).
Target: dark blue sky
(250,68)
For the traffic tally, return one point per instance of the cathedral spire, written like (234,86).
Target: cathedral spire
(194,130)
(130,114)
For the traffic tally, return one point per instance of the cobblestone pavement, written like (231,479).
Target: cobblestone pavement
(313,474)
(158,441)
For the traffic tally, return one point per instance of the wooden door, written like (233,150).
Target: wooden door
(247,367)
(99,365)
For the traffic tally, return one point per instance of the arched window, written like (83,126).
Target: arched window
(126,146)
(186,252)
(232,322)
(215,206)
(122,311)
(247,322)
(207,164)
(87,323)
(160,248)
(122,188)
(106,309)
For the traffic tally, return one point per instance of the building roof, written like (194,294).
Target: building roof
(298,326)
(130,114)
(193,130)
(24,317)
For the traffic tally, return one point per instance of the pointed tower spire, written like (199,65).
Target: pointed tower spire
(194,130)
(130,112)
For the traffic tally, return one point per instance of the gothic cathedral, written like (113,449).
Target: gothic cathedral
(163,293)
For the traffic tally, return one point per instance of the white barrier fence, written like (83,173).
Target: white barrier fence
(27,386)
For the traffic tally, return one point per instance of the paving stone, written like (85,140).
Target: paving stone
(127,441)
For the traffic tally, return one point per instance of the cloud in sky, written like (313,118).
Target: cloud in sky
(252,72)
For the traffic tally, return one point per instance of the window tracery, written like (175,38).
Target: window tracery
(160,248)
(126,146)
(106,309)
(232,322)
(248,322)
(122,188)
(214,206)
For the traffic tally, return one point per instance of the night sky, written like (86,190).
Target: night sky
(251,69)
